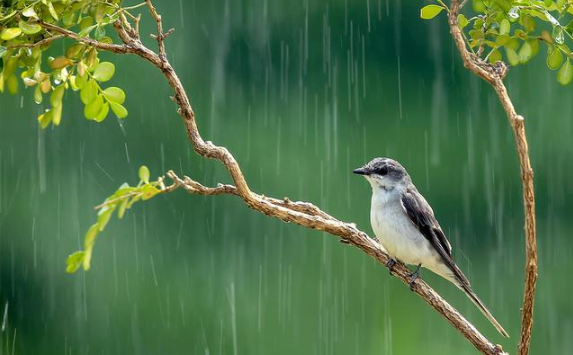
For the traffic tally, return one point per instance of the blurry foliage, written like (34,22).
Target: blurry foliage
(511,31)
(24,42)
(121,200)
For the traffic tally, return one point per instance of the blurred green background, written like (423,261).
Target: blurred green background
(301,92)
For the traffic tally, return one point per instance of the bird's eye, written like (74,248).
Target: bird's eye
(383,170)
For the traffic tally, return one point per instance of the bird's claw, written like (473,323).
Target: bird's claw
(413,277)
(390,265)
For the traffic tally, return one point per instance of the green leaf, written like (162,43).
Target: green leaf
(74,51)
(74,261)
(103,113)
(30,12)
(29,28)
(134,200)
(462,21)
(104,71)
(565,74)
(92,110)
(8,16)
(12,83)
(38,95)
(53,11)
(512,56)
(478,6)
(504,27)
(430,11)
(99,33)
(118,110)
(86,22)
(60,62)
(2,51)
(88,93)
(144,174)
(91,236)
(69,19)
(114,94)
(45,119)
(502,40)
(554,59)
(56,114)
(57,96)
(104,216)
(149,191)
(122,208)
(558,35)
(8,34)
(86,31)
(525,52)
(495,56)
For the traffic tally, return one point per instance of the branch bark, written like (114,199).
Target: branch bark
(494,75)
(301,213)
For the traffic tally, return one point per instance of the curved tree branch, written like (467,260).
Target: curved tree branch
(301,213)
(494,75)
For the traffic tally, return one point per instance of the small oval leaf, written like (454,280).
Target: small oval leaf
(554,59)
(115,95)
(430,11)
(118,110)
(103,113)
(144,174)
(74,261)
(104,71)
(88,93)
(10,33)
(512,56)
(29,28)
(92,110)
(525,52)
(462,21)
(60,62)
(565,74)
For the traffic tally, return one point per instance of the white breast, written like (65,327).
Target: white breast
(397,234)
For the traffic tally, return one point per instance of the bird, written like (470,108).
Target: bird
(405,225)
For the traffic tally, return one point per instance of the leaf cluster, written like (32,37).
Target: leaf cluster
(514,31)
(24,42)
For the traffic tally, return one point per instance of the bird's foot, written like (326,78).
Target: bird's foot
(344,241)
(390,265)
(376,240)
(413,277)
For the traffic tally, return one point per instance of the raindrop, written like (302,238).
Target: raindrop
(5,317)
(513,13)
(558,35)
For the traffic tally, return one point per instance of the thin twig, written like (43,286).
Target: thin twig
(36,44)
(494,75)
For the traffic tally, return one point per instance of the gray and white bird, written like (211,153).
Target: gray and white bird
(405,225)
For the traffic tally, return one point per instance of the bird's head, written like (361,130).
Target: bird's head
(383,173)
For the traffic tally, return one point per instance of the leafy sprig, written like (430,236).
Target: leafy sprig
(512,31)
(120,201)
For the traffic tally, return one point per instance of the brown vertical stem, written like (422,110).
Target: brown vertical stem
(494,75)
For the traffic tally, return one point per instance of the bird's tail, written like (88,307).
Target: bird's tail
(464,285)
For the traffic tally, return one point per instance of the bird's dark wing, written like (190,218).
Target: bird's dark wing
(422,216)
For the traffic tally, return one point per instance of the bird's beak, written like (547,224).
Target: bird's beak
(360,171)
